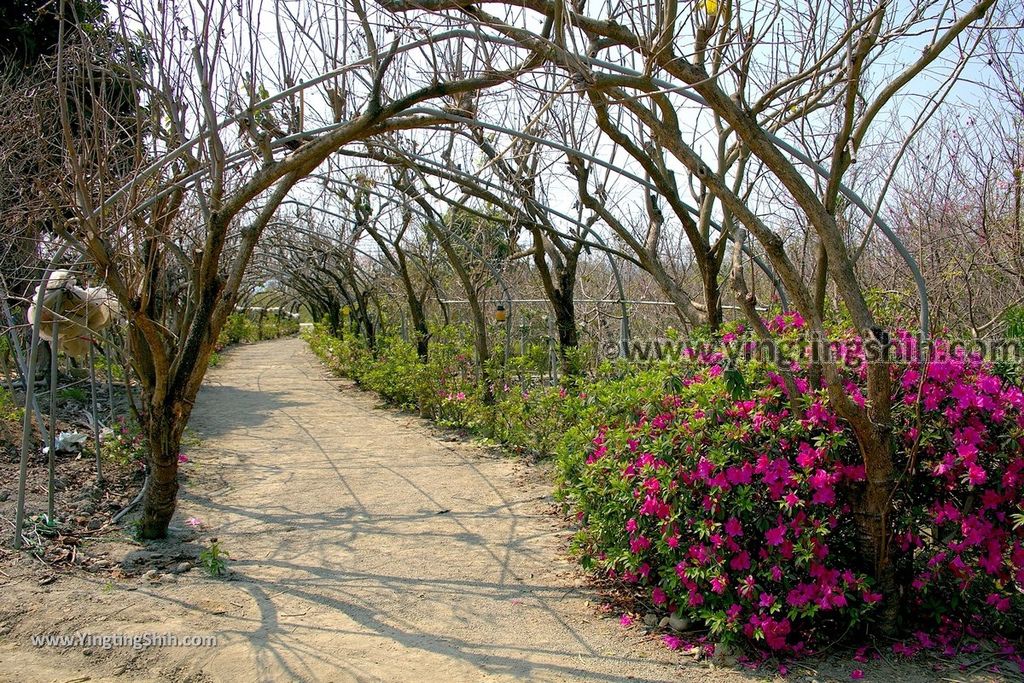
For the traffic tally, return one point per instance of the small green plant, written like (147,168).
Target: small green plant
(238,328)
(124,444)
(44,526)
(133,530)
(103,363)
(9,410)
(73,394)
(214,559)
(1014,317)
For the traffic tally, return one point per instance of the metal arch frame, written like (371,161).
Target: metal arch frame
(684,90)
(298,299)
(249,111)
(363,252)
(687,92)
(417,211)
(764,267)
(423,215)
(588,230)
(437,113)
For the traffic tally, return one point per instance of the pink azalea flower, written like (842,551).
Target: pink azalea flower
(857,674)
(741,561)
(976,475)
(639,544)
(775,536)
(1001,603)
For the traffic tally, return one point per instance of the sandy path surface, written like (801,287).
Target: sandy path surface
(363,545)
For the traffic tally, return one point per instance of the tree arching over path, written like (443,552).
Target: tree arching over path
(197,196)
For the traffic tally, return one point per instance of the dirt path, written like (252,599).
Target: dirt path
(364,546)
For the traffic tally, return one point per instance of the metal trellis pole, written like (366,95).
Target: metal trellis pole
(26,428)
(52,459)
(95,412)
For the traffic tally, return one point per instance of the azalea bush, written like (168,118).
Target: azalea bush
(711,492)
(730,502)
(723,510)
(961,503)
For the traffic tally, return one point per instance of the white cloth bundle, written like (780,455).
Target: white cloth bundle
(82,311)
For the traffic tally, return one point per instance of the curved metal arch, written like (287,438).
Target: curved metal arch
(249,111)
(363,252)
(764,267)
(406,204)
(684,90)
(417,211)
(276,257)
(438,113)
(488,184)
(413,209)
(688,92)
(624,340)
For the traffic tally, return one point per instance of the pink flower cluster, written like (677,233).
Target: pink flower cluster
(968,449)
(737,512)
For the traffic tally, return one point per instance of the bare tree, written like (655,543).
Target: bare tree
(210,172)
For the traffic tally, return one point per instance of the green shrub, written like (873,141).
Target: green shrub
(9,410)
(238,328)
(243,328)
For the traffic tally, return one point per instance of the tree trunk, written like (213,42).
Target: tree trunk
(559,294)
(163,432)
(363,312)
(565,324)
(419,326)
(476,311)
(874,529)
(480,343)
(712,297)
(873,512)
